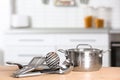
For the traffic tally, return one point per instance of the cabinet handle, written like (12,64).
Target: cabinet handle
(40,40)
(116,45)
(28,55)
(82,40)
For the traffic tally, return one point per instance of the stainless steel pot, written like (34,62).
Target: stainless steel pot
(84,59)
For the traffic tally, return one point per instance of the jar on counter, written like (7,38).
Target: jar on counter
(89,17)
(102,17)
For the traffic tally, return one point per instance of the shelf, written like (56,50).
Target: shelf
(55,30)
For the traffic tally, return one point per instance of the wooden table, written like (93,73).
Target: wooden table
(108,73)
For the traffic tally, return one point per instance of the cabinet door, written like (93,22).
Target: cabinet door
(22,48)
(29,39)
(23,54)
(75,39)
(100,41)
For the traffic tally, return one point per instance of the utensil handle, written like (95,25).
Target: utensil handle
(77,47)
(28,74)
(62,51)
(12,63)
(106,51)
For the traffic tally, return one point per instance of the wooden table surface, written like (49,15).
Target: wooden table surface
(108,73)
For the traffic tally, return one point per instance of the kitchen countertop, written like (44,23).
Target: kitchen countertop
(55,30)
(106,73)
(60,30)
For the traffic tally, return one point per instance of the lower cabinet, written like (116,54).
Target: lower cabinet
(23,54)
(22,48)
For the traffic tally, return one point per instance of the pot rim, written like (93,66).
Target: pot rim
(93,49)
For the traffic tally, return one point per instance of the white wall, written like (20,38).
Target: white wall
(115,5)
(4,14)
(4,23)
(49,15)
(73,15)
(4,17)
(52,16)
(98,3)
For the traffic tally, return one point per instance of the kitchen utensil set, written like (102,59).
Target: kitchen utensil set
(34,63)
(51,60)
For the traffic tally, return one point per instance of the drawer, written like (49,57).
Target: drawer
(25,54)
(27,39)
(74,39)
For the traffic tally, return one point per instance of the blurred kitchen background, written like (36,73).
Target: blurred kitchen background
(31,28)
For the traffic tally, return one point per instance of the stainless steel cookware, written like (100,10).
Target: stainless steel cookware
(65,68)
(52,60)
(33,64)
(49,71)
(37,63)
(84,59)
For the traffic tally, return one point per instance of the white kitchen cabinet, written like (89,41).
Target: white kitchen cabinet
(23,54)
(21,48)
(27,39)
(100,41)
(74,39)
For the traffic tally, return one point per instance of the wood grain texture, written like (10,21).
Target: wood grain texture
(106,73)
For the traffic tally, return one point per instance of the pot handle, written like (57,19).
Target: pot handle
(105,51)
(77,47)
(64,51)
